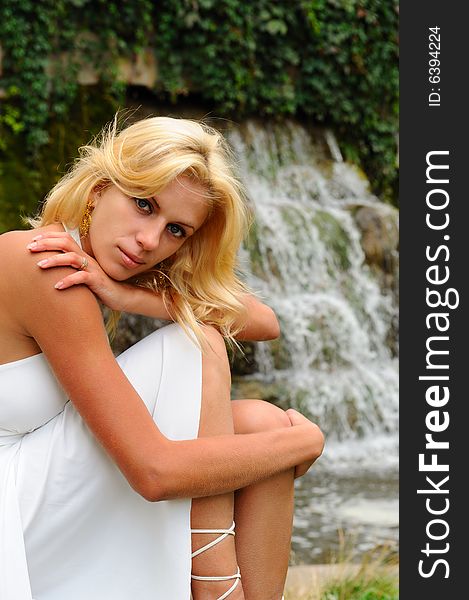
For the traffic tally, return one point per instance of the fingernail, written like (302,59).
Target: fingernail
(59,285)
(37,237)
(41,263)
(31,245)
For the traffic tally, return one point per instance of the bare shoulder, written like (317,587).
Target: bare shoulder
(15,258)
(16,264)
(12,241)
(28,292)
(33,314)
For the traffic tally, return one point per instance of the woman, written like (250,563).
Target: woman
(95,491)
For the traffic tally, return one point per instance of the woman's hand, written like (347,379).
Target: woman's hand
(113,294)
(296,419)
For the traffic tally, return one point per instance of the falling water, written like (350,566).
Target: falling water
(305,256)
(333,360)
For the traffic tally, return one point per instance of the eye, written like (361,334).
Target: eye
(176,230)
(143,205)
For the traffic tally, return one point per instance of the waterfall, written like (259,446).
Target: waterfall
(304,256)
(322,252)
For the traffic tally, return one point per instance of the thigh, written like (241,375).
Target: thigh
(165,368)
(253,416)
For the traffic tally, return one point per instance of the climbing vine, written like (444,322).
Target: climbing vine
(331,61)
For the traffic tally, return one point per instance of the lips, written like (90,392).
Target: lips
(130,260)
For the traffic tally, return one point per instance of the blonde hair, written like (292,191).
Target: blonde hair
(141,160)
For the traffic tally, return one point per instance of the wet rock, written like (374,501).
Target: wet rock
(380,241)
(254,388)
(282,358)
(243,360)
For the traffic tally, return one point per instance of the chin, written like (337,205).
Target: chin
(115,272)
(123,274)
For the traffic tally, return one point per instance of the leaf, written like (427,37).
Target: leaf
(275,26)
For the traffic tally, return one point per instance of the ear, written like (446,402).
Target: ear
(95,195)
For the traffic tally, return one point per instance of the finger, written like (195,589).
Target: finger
(58,243)
(71,259)
(78,278)
(50,234)
(62,243)
(295,417)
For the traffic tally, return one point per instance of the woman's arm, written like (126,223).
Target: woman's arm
(68,327)
(258,322)
(116,295)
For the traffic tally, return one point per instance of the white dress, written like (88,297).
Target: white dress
(71,527)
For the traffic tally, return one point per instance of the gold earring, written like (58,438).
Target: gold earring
(85,222)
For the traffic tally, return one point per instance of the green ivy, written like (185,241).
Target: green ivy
(46,42)
(329,61)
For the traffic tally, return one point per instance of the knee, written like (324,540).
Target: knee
(254,416)
(214,353)
(213,346)
(213,342)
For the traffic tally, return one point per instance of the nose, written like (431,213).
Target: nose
(148,237)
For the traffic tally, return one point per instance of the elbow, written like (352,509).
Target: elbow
(158,482)
(153,491)
(272,330)
(275,332)
(148,486)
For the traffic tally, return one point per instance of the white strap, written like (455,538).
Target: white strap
(228,592)
(225,578)
(232,588)
(230,530)
(225,532)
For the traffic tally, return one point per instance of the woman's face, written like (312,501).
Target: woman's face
(129,235)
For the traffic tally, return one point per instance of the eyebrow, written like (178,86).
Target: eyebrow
(175,222)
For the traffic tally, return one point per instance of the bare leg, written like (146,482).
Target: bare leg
(215,512)
(263,512)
